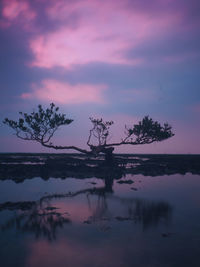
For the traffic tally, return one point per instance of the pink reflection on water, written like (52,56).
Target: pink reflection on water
(68,252)
(76,208)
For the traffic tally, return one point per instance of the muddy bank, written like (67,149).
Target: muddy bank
(19,167)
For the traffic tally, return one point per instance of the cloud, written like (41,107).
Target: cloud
(16,9)
(102,33)
(145,52)
(66,47)
(114,32)
(65,93)
(176,45)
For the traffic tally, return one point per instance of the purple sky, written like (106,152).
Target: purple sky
(120,60)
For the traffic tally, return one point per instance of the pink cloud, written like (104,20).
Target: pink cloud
(65,93)
(103,31)
(4,24)
(16,9)
(26,95)
(67,47)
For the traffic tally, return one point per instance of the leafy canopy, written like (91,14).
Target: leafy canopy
(41,125)
(148,131)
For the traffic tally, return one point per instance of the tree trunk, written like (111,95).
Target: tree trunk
(109,156)
(108,184)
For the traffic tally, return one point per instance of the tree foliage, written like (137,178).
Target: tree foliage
(100,131)
(41,125)
(148,131)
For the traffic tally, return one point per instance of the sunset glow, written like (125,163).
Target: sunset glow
(113,59)
(64,93)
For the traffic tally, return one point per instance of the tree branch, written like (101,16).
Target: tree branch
(41,126)
(66,147)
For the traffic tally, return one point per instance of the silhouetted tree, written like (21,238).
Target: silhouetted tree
(41,125)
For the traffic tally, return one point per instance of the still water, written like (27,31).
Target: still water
(149,221)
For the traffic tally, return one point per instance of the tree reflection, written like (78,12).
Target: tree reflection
(43,219)
(148,213)
(39,218)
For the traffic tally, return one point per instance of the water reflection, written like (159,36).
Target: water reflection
(106,224)
(39,218)
(44,217)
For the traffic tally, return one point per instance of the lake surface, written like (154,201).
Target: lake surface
(148,221)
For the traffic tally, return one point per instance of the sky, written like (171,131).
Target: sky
(119,60)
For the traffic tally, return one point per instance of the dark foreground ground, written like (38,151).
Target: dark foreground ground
(19,166)
(70,210)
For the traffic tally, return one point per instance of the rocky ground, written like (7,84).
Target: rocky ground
(19,167)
